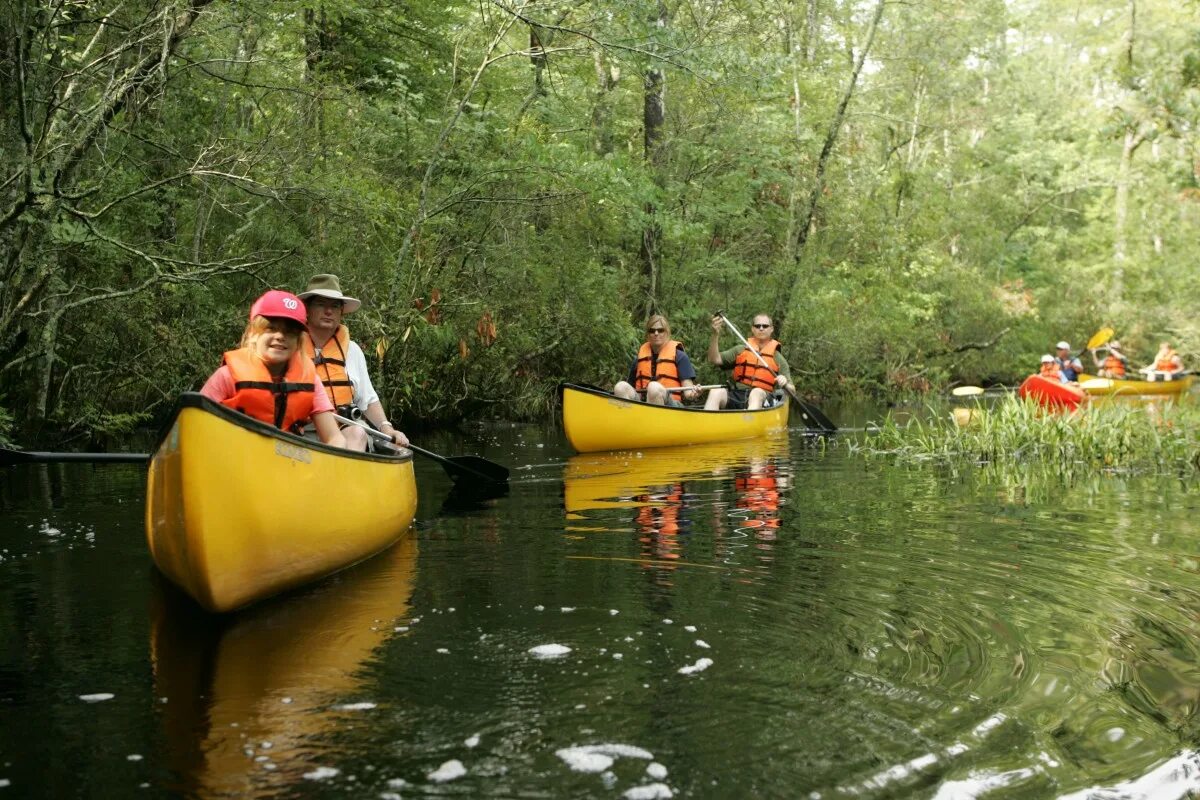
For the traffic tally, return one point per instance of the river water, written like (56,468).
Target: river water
(778,618)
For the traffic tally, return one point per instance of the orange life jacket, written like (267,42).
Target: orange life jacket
(749,370)
(287,404)
(1050,370)
(1114,366)
(661,368)
(1166,363)
(331,365)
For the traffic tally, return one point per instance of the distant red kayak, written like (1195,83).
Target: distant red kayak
(1051,393)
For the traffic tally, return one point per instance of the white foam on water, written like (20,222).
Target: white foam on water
(702,643)
(266,745)
(400,628)
(690,628)
(980,784)
(612,612)
(567,609)
(49,529)
(285,700)
(133,757)
(701,665)
(354,707)
(390,796)
(451,770)
(1178,777)
(444,650)
(651,791)
(580,761)
(397,783)
(5,783)
(618,656)
(98,697)
(539,608)
(668,622)
(472,741)
(656,770)
(322,774)
(549,650)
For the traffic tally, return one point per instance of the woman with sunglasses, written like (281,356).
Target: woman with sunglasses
(752,383)
(659,366)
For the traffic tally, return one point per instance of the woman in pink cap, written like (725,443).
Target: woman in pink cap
(269,377)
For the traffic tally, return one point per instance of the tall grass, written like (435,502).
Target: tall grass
(1107,436)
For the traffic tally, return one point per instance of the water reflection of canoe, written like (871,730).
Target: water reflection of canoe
(231,506)
(1162,383)
(246,697)
(599,480)
(594,421)
(1051,393)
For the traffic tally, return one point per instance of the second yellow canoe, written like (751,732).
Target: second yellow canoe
(594,420)
(1126,388)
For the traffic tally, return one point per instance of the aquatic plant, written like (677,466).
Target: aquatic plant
(1107,436)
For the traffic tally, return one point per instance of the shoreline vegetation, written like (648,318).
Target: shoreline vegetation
(1111,437)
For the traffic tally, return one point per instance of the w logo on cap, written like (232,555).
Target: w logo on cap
(290,304)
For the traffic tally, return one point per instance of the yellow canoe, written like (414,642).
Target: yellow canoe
(237,511)
(1163,383)
(594,420)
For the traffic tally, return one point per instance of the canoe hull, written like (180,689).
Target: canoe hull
(1127,388)
(234,511)
(595,421)
(1051,393)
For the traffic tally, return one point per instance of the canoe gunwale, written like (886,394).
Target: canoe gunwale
(598,392)
(248,423)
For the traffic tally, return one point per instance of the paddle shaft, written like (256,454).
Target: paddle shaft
(11,457)
(809,413)
(697,388)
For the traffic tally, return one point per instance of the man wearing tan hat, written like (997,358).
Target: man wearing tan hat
(340,362)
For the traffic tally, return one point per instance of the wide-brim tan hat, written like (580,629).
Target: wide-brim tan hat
(329,286)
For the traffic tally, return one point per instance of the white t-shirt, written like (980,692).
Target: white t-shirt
(356,371)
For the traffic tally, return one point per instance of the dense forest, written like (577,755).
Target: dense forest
(921,192)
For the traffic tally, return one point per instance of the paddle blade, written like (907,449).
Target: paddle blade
(966,391)
(476,467)
(1101,337)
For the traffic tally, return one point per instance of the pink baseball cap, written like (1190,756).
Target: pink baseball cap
(280,305)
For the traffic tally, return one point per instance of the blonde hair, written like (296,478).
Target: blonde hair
(260,325)
(658,321)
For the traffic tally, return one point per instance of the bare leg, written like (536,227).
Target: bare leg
(656,393)
(624,391)
(356,438)
(717,398)
(756,399)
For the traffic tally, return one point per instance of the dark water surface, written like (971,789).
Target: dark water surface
(768,619)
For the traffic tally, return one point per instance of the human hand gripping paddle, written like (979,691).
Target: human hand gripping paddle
(457,467)
(811,415)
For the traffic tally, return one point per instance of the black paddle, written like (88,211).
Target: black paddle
(9,458)
(457,467)
(808,412)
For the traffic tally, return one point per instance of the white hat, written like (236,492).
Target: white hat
(328,286)
(1114,345)
(1060,345)
(1046,359)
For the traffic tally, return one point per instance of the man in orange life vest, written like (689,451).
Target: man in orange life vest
(659,365)
(1114,364)
(752,382)
(340,362)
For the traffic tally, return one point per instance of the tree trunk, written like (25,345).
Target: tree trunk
(653,116)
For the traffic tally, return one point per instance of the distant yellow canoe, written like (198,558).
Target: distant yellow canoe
(594,421)
(235,510)
(1164,385)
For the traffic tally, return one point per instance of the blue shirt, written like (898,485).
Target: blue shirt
(1070,368)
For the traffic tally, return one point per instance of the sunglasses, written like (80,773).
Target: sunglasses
(762,326)
(656,330)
